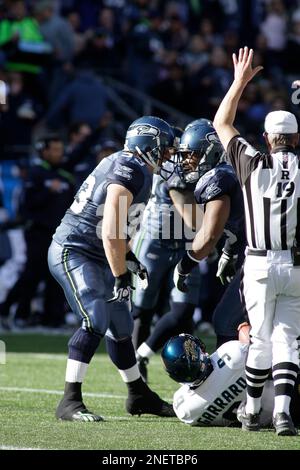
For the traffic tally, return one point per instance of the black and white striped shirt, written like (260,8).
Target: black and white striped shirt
(271,190)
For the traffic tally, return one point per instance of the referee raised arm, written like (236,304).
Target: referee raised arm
(271,190)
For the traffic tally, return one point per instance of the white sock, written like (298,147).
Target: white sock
(130,375)
(145,351)
(75,371)
(282,404)
(253,405)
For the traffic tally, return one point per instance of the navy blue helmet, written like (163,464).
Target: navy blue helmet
(194,123)
(185,360)
(150,137)
(170,166)
(201,143)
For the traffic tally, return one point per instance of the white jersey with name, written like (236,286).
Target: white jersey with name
(216,400)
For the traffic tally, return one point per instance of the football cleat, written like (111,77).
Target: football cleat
(250,422)
(71,410)
(149,403)
(284,425)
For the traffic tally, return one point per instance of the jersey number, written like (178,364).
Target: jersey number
(221,362)
(83,194)
(285,189)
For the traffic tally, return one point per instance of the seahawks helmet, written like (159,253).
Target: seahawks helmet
(199,140)
(149,137)
(185,359)
(169,166)
(194,123)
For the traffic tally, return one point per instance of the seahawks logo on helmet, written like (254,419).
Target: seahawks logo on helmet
(212,137)
(143,129)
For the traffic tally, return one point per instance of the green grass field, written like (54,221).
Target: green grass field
(31,384)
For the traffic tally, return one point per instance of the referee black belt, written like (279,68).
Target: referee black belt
(253,252)
(256,252)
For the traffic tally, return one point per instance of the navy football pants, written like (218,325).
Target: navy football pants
(87,284)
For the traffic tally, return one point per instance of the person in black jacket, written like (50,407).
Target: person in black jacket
(48,192)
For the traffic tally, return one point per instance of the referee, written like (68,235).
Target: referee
(271,190)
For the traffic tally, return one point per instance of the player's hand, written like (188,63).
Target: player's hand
(137,268)
(122,289)
(180,279)
(244,332)
(243,70)
(182,271)
(226,267)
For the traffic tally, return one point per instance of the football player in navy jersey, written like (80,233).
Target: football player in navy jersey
(90,258)
(159,245)
(218,190)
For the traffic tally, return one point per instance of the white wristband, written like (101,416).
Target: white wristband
(192,258)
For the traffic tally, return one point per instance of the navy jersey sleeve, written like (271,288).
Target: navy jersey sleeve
(127,174)
(214,185)
(175,182)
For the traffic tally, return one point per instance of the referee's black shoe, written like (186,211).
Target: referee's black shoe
(250,422)
(284,425)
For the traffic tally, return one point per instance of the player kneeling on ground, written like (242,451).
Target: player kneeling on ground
(213,390)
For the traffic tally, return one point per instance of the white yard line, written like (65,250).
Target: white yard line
(19,448)
(59,392)
(155,361)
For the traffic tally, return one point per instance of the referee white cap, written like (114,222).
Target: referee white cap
(281,122)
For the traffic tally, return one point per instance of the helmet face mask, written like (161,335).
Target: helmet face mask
(201,145)
(185,360)
(151,138)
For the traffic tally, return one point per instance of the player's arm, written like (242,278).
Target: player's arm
(118,201)
(225,116)
(185,204)
(215,217)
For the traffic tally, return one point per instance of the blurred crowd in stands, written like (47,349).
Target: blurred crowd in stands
(55,57)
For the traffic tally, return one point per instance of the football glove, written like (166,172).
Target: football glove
(137,268)
(182,271)
(122,289)
(226,267)
(179,279)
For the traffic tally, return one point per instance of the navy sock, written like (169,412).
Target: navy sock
(83,345)
(137,387)
(121,352)
(142,325)
(177,321)
(73,391)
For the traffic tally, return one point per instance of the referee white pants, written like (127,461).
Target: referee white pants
(272,298)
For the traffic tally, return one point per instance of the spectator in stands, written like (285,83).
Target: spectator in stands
(84,99)
(49,190)
(56,30)
(18,116)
